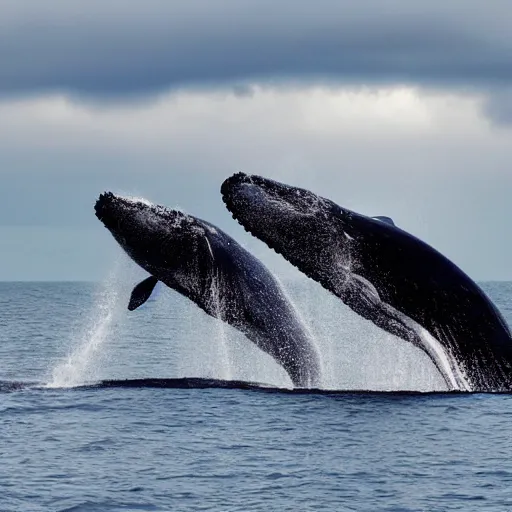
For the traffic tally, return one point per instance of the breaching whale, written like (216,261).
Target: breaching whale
(201,262)
(384,274)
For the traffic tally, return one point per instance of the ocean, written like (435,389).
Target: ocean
(167,433)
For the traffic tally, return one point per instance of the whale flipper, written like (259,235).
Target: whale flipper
(387,220)
(142,292)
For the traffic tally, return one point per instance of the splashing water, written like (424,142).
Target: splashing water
(306,326)
(356,354)
(225,371)
(83,363)
(178,339)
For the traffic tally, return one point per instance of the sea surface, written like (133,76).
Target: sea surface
(175,437)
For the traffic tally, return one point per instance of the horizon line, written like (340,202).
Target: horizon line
(99,281)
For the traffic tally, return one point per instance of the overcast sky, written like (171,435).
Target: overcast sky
(393,107)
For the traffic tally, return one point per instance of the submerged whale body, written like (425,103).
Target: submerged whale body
(209,267)
(384,274)
(193,383)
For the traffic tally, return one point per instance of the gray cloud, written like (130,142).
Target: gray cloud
(498,106)
(427,160)
(112,48)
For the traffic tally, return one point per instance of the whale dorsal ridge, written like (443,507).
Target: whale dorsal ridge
(387,220)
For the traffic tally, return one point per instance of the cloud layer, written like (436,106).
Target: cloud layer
(429,160)
(113,48)
(376,104)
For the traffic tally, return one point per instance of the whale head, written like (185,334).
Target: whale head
(165,242)
(290,220)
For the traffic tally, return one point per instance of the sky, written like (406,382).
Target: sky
(393,108)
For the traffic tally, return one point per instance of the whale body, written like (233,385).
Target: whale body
(385,275)
(206,265)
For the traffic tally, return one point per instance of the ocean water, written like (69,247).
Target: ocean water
(172,437)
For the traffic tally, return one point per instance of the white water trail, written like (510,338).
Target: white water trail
(226,367)
(356,354)
(306,328)
(83,363)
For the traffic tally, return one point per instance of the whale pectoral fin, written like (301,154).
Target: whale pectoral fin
(142,292)
(387,220)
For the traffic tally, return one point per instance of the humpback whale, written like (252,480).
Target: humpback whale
(385,275)
(204,264)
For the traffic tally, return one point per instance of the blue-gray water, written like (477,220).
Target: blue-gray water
(142,448)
